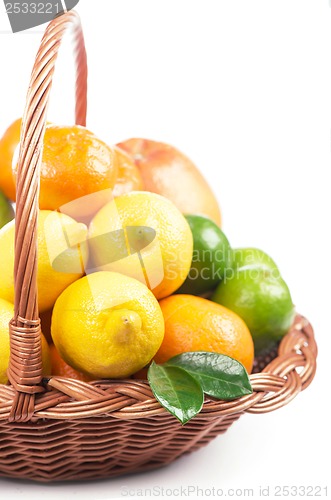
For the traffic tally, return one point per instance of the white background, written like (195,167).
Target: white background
(243,87)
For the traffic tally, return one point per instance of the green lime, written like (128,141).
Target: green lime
(6,211)
(212,256)
(253,258)
(262,300)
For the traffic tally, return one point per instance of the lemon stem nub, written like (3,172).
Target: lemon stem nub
(125,324)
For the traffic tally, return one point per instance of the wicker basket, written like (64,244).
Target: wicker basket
(61,429)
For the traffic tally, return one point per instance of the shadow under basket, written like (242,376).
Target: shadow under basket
(59,429)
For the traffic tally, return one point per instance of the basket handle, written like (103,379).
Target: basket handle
(25,366)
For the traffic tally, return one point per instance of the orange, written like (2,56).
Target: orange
(8,143)
(75,163)
(168,172)
(196,324)
(61,369)
(129,177)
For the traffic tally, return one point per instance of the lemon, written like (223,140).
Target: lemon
(107,325)
(143,235)
(62,254)
(6,314)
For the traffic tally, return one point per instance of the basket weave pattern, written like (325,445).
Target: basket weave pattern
(62,429)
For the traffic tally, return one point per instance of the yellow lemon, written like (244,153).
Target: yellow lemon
(142,235)
(6,314)
(62,254)
(107,325)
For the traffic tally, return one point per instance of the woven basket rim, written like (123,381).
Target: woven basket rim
(275,386)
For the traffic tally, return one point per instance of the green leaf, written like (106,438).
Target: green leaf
(219,376)
(176,390)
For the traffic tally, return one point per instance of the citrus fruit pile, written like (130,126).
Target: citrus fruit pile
(134,269)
